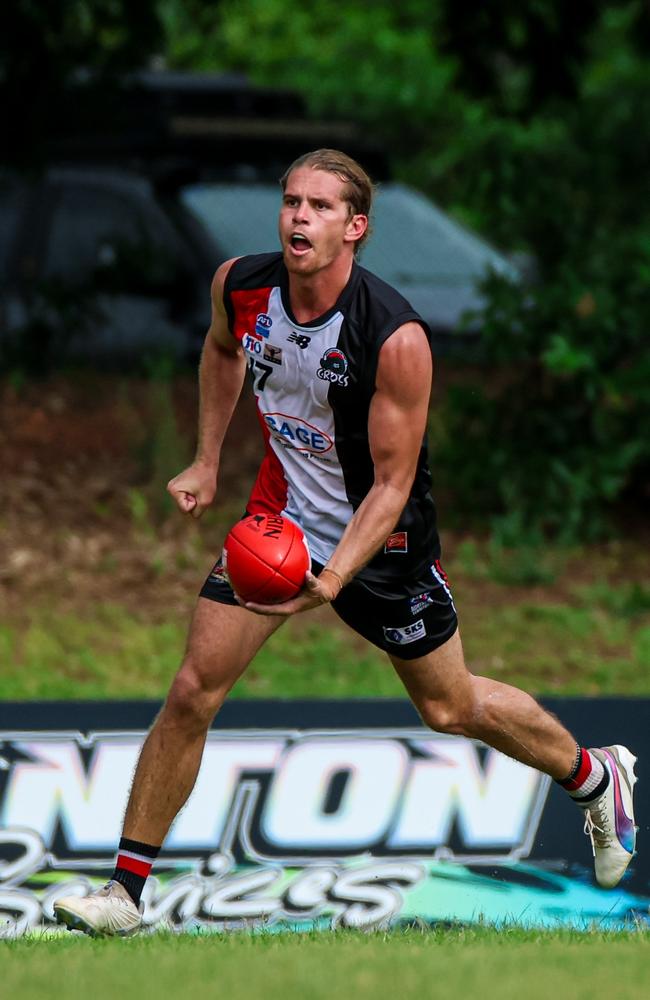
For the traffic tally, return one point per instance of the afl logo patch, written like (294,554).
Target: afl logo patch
(263,324)
(334,367)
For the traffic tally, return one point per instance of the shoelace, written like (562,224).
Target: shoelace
(598,825)
(115,896)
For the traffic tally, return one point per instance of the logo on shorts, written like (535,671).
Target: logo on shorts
(334,367)
(263,325)
(273,354)
(397,542)
(402,636)
(219,572)
(419,603)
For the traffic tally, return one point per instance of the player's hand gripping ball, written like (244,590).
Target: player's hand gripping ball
(266,558)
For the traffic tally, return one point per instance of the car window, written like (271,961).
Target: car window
(98,235)
(412,241)
(241,218)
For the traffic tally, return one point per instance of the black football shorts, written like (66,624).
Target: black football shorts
(405,618)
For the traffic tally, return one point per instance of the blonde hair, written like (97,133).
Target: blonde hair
(358,189)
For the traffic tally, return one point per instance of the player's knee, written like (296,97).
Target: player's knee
(190,704)
(445,717)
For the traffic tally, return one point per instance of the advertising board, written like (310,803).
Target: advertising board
(311,815)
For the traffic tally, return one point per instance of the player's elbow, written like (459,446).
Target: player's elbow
(391,499)
(395,487)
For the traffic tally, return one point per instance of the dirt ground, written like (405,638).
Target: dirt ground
(84,517)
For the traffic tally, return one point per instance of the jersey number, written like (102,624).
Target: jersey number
(260,376)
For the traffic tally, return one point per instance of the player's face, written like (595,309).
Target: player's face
(316,224)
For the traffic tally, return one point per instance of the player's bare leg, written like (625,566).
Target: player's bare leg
(222,642)
(450,699)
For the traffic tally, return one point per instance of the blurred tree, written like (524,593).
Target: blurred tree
(564,434)
(518,56)
(46,44)
(348,58)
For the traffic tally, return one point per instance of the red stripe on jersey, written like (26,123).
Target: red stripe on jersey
(247,305)
(133,865)
(269,493)
(579,779)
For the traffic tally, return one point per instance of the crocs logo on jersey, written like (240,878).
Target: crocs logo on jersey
(291,432)
(402,636)
(263,325)
(334,367)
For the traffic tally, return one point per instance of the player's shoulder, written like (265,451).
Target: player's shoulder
(379,291)
(380,310)
(255,271)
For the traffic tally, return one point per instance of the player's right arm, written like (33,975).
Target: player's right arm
(221,375)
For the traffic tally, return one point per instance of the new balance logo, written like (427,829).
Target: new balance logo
(300,340)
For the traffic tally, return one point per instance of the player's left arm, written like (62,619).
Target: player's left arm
(396,425)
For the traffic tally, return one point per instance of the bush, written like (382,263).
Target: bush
(558,431)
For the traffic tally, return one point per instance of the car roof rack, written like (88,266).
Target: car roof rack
(219,125)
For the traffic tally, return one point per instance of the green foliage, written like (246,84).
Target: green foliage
(379,64)
(558,432)
(510,560)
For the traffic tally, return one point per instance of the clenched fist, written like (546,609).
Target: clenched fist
(194,489)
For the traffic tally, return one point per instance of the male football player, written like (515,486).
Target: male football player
(342,370)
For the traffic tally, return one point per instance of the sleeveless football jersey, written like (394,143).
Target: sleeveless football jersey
(313,383)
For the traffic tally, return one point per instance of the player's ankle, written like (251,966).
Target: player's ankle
(133,864)
(587,779)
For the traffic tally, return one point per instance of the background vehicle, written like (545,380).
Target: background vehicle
(108,249)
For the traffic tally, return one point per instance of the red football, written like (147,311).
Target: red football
(266,558)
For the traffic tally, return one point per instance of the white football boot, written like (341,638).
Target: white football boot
(609,819)
(106,911)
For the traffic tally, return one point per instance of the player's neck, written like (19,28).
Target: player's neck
(313,295)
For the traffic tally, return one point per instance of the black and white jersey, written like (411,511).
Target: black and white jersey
(313,383)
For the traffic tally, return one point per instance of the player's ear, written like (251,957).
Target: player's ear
(356,228)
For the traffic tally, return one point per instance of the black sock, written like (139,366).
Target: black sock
(133,864)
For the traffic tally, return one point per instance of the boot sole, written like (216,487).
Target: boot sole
(73,922)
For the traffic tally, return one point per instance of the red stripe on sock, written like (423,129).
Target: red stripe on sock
(141,868)
(582,775)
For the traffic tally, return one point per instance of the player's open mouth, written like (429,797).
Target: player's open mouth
(300,244)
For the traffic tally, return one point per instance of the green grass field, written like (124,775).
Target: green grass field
(578,639)
(98,573)
(505,963)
